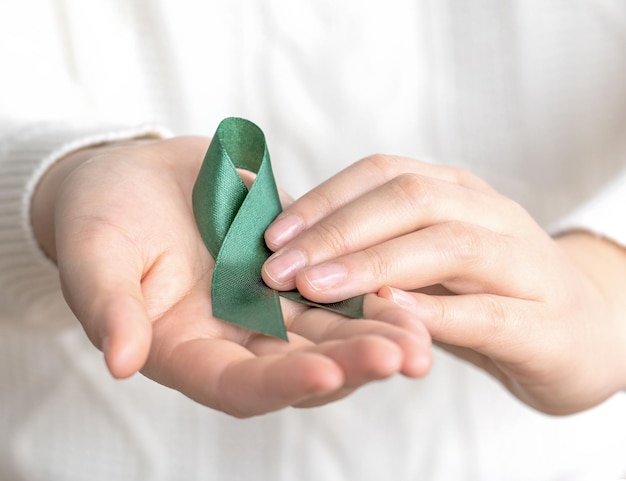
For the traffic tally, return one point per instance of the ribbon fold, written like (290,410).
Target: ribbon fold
(232,220)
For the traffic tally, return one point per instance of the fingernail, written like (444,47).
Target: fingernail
(283,229)
(402,298)
(283,266)
(325,276)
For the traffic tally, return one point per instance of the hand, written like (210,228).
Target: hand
(118,221)
(547,318)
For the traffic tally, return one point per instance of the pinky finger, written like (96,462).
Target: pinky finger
(489,324)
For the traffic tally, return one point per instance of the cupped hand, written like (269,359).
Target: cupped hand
(546,317)
(118,221)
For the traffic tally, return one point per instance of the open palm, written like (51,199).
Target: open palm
(137,275)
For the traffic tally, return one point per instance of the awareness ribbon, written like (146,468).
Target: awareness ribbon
(232,220)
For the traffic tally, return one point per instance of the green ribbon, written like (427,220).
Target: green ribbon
(232,220)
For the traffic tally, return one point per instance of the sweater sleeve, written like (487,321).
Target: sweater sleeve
(603,214)
(30,290)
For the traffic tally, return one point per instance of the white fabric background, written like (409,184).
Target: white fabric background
(529,95)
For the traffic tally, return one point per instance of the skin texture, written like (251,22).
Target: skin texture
(117,219)
(546,317)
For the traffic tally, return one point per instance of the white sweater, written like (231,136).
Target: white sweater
(529,95)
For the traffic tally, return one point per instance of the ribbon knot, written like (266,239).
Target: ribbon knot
(232,220)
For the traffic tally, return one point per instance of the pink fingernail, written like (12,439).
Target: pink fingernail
(325,276)
(283,266)
(283,229)
(402,298)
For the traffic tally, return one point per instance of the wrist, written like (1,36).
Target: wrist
(603,262)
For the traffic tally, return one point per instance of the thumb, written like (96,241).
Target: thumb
(101,272)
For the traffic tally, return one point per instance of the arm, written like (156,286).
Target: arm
(117,219)
(546,317)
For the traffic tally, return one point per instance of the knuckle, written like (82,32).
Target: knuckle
(319,203)
(379,161)
(465,241)
(379,265)
(439,311)
(414,190)
(462,176)
(381,165)
(437,315)
(336,238)
(514,211)
(473,246)
(497,316)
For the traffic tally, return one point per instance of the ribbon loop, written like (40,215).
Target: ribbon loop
(232,220)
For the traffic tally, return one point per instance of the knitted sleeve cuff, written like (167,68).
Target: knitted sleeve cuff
(603,215)
(29,282)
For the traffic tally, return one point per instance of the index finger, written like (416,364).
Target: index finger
(353,182)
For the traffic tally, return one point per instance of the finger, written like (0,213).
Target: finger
(532,355)
(226,376)
(505,337)
(403,337)
(363,360)
(100,274)
(319,326)
(353,182)
(492,325)
(416,365)
(250,375)
(248,178)
(463,258)
(406,203)
(412,337)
